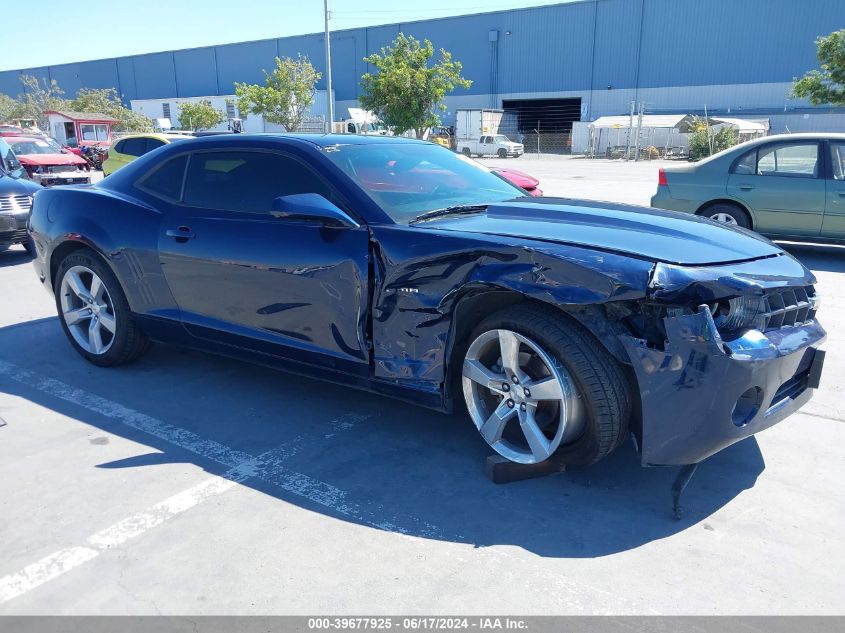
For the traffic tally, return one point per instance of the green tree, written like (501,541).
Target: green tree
(107,101)
(285,97)
(406,93)
(828,84)
(9,108)
(38,97)
(200,116)
(704,141)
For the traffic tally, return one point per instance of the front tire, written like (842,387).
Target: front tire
(94,312)
(502,153)
(29,246)
(727,213)
(537,383)
(465,151)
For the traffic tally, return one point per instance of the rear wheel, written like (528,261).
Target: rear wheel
(536,383)
(727,213)
(94,312)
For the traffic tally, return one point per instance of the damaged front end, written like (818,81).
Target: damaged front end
(720,353)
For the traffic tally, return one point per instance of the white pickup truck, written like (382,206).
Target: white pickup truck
(491,145)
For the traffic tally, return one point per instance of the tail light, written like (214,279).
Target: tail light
(661,177)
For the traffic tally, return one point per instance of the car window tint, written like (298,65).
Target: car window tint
(837,160)
(792,159)
(134,146)
(166,181)
(153,143)
(118,147)
(747,165)
(247,181)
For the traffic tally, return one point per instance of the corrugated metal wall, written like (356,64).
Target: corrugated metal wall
(593,45)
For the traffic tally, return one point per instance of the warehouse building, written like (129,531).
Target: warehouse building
(547,66)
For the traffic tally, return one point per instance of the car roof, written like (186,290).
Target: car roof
(162,136)
(800,136)
(317,140)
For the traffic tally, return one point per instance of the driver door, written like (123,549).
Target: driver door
(283,286)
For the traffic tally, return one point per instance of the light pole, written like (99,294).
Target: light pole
(330,108)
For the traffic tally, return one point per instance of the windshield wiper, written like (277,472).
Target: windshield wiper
(457,209)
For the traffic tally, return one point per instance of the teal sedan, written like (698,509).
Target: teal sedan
(789,186)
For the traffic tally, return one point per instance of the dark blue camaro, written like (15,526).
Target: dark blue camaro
(401,267)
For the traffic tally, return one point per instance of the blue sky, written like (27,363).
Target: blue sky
(95,29)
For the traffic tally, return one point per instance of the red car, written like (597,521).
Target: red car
(47,162)
(520,179)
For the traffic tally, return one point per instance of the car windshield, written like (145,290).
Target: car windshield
(409,179)
(23,146)
(500,138)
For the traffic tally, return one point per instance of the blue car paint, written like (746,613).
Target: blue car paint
(374,307)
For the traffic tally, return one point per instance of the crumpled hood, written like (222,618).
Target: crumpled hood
(665,236)
(43,160)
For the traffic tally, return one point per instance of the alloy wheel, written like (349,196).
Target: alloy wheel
(725,218)
(522,402)
(88,310)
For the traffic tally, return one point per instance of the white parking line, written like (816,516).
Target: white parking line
(267,467)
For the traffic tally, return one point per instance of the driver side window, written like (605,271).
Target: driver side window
(248,181)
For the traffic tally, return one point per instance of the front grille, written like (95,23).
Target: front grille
(16,204)
(787,307)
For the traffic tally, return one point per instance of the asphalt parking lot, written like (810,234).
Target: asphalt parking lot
(190,484)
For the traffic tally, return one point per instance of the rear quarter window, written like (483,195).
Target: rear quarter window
(165,181)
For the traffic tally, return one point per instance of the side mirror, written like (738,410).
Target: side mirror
(311,206)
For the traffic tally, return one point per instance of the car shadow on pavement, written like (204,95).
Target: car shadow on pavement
(14,256)
(378,462)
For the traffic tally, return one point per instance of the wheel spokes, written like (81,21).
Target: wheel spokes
(96,290)
(72,317)
(544,389)
(76,284)
(107,320)
(477,372)
(494,426)
(537,442)
(95,336)
(509,347)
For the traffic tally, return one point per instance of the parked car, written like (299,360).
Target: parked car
(520,179)
(788,186)
(490,145)
(10,130)
(48,163)
(15,201)
(400,267)
(128,148)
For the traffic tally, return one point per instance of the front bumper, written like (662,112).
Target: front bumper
(702,394)
(62,178)
(13,229)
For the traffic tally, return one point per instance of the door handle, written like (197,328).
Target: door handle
(746,187)
(181,234)
(842,194)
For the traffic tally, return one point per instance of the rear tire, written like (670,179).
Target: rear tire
(94,312)
(602,394)
(727,213)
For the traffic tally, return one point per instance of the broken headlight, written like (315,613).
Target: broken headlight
(739,313)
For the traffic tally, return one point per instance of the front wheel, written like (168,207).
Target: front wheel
(29,246)
(94,312)
(502,153)
(536,383)
(465,151)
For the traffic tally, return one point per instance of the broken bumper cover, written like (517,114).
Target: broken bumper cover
(703,394)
